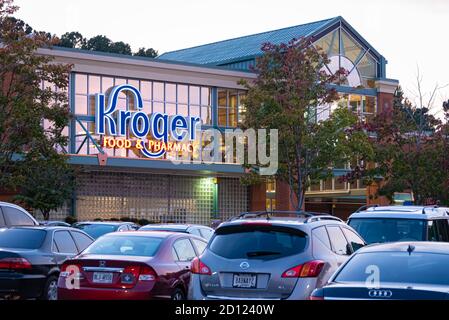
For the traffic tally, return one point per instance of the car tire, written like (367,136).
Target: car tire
(51,289)
(178,294)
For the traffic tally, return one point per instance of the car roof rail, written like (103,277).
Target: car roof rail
(435,206)
(366,207)
(321,218)
(270,214)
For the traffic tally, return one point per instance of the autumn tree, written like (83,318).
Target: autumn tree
(411,146)
(33,113)
(290,90)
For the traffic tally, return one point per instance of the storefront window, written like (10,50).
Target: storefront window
(170,98)
(229,107)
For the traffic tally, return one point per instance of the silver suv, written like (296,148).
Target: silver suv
(379,224)
(275,255)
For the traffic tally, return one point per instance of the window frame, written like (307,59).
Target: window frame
(177,254)
(56,244)
(332,243)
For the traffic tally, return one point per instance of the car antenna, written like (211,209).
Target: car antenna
(410,249)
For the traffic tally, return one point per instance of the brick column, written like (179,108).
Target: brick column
(258,197)
(385,89)
(283,199)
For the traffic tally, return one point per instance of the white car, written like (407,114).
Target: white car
(12,215)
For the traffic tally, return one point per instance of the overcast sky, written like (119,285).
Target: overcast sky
(409,33)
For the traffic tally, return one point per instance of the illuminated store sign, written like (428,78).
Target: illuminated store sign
(154,134)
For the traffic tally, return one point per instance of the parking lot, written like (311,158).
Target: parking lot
(394,253)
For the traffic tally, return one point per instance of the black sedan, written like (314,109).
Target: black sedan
(394,271)
(31,257)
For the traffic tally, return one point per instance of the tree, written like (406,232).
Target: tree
(149,53)
(72,40)
(286,95)
(120,48)
(98,43)
(410,147)
(33,113)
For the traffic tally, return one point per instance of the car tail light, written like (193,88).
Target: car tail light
(15,264)
(132,274)
(309,269)
(199,267)
(147,274)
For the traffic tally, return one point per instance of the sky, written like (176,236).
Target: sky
(411,34)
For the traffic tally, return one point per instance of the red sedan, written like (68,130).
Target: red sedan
(131,266)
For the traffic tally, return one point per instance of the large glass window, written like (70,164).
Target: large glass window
(344,51)
(230,107)
(170,98)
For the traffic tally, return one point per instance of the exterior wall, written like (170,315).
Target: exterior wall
(258,197)
(283,198)
(232,198)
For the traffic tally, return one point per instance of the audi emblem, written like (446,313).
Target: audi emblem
(244,265)
(380,293)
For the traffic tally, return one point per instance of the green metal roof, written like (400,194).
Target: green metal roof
(245,47)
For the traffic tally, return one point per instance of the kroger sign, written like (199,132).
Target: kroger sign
(167,131)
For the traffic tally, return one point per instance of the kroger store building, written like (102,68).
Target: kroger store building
(198,84)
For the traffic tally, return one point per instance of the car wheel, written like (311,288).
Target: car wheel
(178,295)
(51,289)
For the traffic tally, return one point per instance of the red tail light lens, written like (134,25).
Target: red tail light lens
(15,264)
(316,298)
(132,274)
(147,274)
(310,269)
(293,272)
(198,267)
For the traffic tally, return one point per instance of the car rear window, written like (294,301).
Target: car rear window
(97,230)
(379,230)
(257,242)
(415,268)
(125,246)
(22,238)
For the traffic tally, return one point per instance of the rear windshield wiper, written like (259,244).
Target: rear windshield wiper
(262,253)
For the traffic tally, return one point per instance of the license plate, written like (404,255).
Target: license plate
(245,281)
(102,277)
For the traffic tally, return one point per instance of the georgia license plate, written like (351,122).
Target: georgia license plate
(245,281)
(102,277)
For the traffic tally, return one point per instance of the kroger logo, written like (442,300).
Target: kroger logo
(165,132)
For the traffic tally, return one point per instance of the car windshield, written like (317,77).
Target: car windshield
(396,267)
(97,230)
(257,242)
(22,238)
(125,246)
(379,230)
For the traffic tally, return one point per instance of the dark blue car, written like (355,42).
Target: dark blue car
(394,271)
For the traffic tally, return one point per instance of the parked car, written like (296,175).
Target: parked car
(198,230)
(12,215)
(134,266)
(272,257)
(31,257)
(54,223)
(406,271)
(401,223)
(97,229)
